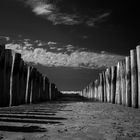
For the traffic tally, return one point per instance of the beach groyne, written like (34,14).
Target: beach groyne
(118,84)
(21,83)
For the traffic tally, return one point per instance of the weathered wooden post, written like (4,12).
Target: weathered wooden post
(113,83)
(108,84)
(31,92)
(88,90)
(5,67)
(91,90)
(7,74)
(50,92)
(27,84)
(101,88)
(123,82)
(128,81)
(11,78)
(96,90)
(44,87)
(30,85)
(134,78)
(138,70)
(2,59)
(47,87)
(34,85)
(22,81)
(105,91)
(88,93)
(41,88)
(118,86)
(16,82)
(85,92)
(38,87)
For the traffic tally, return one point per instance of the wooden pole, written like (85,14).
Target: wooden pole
(47,88)
(108,84)
(50,91)
(31,92)
(134,78)
(104,81)
(92,90)
(2,62)
(128,81)
(138,69)
(118,86)
(123,82)
(101,88)
(27,84)
(96,90)
(113,83)
(6,76)
(11,79)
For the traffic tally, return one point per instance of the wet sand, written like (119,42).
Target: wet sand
(70,119)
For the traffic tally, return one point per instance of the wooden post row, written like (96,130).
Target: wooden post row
(108,84)
(134,79)
(21,83)
(119,84)
(138,72)
(123,82)
(113,83)
(128,81)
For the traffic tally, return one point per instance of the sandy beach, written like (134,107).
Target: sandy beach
(70,120)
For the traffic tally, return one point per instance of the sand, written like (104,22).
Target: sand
(70,120)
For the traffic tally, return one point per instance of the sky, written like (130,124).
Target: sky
(70,41)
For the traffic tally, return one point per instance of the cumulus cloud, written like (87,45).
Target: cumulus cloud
(43,9)
(51,43)
(53,13)
(75,59)
(7,38)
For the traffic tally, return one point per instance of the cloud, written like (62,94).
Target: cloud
(7,38)
(51,43)
(69,48)
(100,18)
(74,59)
(60,49)
(27,44)
(43,9)
(53,13)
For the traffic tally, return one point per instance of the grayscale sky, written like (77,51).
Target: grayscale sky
(70,41)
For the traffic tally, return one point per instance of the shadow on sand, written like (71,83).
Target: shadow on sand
(36,114)
(27,129)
